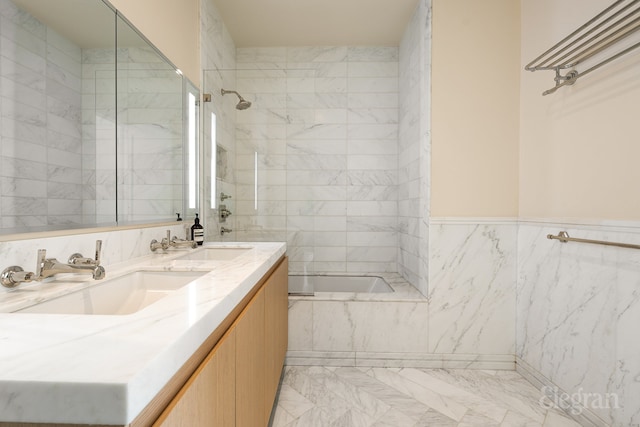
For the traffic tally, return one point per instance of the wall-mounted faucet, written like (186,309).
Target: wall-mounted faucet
(163,244)
(168,242)
(224,230)
(77,264)
(47,267)
(181,243)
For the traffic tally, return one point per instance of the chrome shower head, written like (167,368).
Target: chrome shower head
(243,104)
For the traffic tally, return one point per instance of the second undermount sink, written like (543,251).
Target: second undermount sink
(122,295)
(215,253)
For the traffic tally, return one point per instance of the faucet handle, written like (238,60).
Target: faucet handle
(98,251)
(42,255)
(78,259)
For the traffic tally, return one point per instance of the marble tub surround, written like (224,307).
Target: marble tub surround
(349,329)
(120,362)
(578,307)
(467,319)
(367,329)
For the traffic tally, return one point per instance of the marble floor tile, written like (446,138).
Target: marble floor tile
(330,396)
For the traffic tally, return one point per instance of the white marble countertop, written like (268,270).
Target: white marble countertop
(104,369)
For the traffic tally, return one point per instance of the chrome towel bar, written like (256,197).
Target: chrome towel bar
(563,236)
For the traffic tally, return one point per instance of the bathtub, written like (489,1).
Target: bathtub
(309,285)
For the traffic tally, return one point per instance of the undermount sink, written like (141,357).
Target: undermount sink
(122,295)
(215,254)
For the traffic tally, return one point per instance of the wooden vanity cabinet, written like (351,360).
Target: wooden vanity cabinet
(237,382)
(208,398)
(250,364)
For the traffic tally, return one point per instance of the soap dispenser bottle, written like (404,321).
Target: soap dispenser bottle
(197,231)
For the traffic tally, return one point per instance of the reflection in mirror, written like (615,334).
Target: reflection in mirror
(70,158)
(150,129)
(56,59)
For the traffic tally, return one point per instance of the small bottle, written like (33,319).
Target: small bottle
(197,231)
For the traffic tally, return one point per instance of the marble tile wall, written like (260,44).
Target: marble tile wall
(413,149)
(218,59)
(578,307)
(324,125)
(41,139)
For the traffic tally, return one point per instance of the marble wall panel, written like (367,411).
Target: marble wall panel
(472,287)
(413,152)
(576,305)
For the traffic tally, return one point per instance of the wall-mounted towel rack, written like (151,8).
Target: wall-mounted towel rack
(601,33)
(563,236)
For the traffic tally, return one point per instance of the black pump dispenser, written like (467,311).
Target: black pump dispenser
(197,231)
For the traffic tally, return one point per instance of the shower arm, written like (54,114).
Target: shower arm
(224,92)
(242,104)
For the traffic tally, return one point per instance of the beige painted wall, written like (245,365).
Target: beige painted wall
(580,147)
(475,101)
(172,25)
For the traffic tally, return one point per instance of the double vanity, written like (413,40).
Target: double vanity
(179,337)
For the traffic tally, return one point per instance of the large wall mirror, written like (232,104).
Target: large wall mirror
(98,127)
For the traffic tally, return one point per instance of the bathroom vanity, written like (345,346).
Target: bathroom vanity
(208,352)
